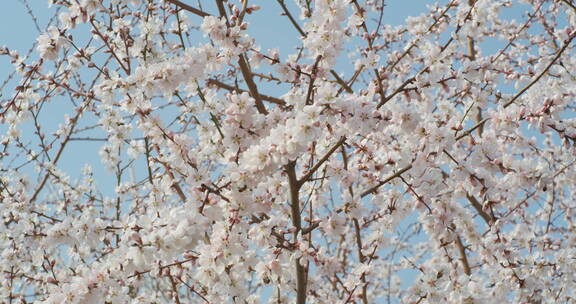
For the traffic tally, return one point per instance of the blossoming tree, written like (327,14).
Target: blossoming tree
(390,164)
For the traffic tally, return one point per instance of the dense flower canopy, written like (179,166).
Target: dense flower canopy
(368,163)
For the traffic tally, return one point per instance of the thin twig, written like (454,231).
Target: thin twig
(570,4)
(528,86)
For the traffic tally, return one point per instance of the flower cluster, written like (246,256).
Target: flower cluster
(158,152)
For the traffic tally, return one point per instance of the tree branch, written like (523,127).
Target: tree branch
(189,8)
(463,257)
(386,180)
(320,162)
(301,271)
(251,84)
(230,88)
